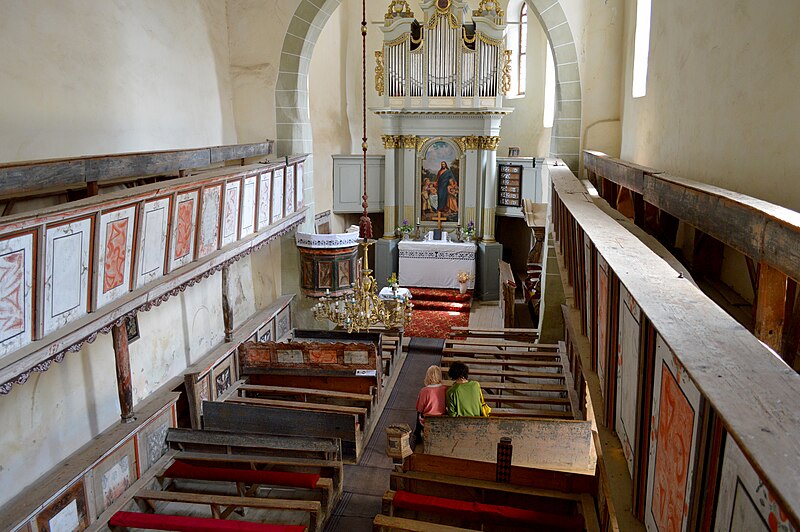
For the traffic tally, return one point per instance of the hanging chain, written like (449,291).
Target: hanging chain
(365,224)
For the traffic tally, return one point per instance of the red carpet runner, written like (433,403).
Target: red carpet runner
(436,310)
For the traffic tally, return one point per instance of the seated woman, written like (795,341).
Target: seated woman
(464,397)
(430,401)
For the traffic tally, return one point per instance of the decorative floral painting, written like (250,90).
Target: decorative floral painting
(439,182)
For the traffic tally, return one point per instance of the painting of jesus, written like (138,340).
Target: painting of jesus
(439,182)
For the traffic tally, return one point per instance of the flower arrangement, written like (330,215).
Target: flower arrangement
(464,277)
(405,228)
(469,230)
(392,280)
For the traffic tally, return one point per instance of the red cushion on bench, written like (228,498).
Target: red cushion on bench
(181,469)
(484,512)
(193,524)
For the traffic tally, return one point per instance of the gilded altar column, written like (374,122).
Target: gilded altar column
(489,145)
(471,181)
(390,144)
(409,149)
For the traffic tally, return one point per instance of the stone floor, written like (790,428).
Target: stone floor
(365,483)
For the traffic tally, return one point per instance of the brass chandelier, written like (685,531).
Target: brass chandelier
(364,308)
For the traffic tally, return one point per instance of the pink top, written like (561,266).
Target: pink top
(431,400)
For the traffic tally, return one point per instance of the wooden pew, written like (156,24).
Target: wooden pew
(233,443)
(463,351)
(502,362)
(522,334)
(385,523)
(500,343)
(233,417)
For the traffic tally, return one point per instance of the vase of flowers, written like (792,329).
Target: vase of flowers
(463,279)
(469,231)
(405,230)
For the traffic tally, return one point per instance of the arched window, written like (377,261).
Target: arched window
(641,48)
(517,42)
(522,57)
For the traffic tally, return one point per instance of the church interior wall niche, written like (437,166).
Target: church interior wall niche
(439,182)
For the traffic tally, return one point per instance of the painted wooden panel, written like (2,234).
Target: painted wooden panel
(66,288)
(602,322)
(114,255)
(248,207)
(151,441)
(153,241)
(208,240)
(744,502)
(264,199)
(183,229)
(230,215)
(68,512)
(300,188)
(587,268)
(16,292)
(113,475)
(627,374)
(675,421)
(288,190)
(277,194)
(283,324)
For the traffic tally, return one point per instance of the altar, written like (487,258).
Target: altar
(435,264)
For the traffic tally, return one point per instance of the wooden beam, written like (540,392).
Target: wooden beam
(92,188)
(28,176)
(119,334)
(770,307)
(227,310)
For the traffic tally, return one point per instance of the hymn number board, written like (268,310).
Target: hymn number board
(509,190)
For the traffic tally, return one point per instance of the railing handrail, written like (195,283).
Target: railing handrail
(30,176)
(753,391)
(763,231)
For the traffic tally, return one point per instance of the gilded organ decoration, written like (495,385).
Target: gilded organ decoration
(445,56)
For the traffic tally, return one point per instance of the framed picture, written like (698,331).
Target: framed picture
(151,441)
(152,250)
(113,475)
(16,291)
(132,327)
(223,375)
(184,225)
(283,324)
(66,287)
(264,199)
(249,206)
(627,376)
(267,331)
(277,193)
(208,235)
(114,254)
(230,216)
(439,181)
(68,512)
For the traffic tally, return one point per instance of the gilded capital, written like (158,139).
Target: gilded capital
(488,143)
(391,142)
(409,142)
(471,142)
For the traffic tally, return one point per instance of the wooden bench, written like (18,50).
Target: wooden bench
(488,516)
(518,386)
(503,373)
(503,362)
(308,394)
(217,502)
(258,419)
(327,469)
(233,443)
(500,353)
(247,480)
(506,333)
(301,405)
(499,343)
(122,521)
(386,523)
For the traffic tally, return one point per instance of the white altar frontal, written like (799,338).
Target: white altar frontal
(436,264)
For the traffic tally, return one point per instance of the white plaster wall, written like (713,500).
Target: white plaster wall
(266,274)
(92,76)
(55,413)
(256,31)
(721,104)
(328,106)
(524,126)
(598,29)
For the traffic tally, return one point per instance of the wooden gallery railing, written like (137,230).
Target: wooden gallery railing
(75,270)
(766,234)
(705,413)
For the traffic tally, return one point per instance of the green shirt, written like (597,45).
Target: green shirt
(464,399)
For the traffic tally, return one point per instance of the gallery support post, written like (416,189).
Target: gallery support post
(119,335)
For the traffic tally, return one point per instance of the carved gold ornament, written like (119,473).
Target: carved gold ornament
(488,6)
(505,84)
(409,142)
(398,9)
(421,142)
(391,142)
(379,73)
(488,143)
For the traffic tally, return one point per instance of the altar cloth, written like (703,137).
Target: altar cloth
(436,264)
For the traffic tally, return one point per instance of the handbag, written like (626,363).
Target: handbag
(485,409)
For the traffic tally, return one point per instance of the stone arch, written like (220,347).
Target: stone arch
(292,100)
(565,137)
